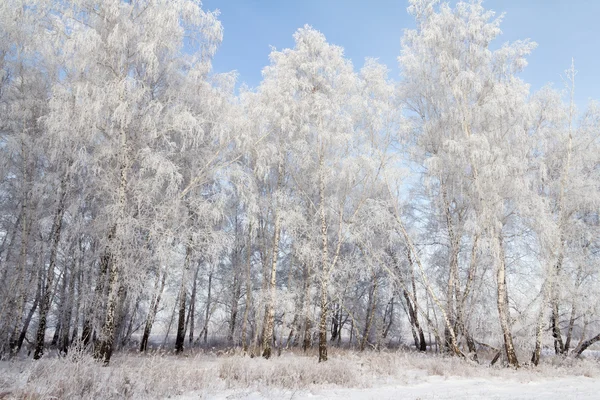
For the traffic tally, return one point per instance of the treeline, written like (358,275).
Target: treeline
(140,193)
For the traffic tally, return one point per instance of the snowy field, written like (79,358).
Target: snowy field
(347,375)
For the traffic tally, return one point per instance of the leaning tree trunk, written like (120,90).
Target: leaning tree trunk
(36,301)
(153,311)
(584,345)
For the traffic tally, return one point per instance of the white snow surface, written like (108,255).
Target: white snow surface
(432,388)
(347,375)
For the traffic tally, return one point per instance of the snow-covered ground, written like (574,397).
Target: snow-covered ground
(346,376)
(433,388)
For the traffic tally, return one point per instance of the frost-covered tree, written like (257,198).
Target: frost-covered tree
(467,105)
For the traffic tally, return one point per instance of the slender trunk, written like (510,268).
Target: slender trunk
(182,300)
(414,322)
(555,318)
(127,336)
(324,262)
(388,326)
(450,337)
(15,307)
(335,322)
(248,289)
(192,312)
(570,329)
(92,313)
(235,299)
(413,252)
(270,316)
(208,303)
(175,305)
(270,309)
(68,310)
(153,311)
(502,302)
(78,302)
(34,306)
(307,340)
(63,282)
(370,314)
(56,233)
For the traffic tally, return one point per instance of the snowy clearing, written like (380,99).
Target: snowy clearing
(347,375)
(436,388)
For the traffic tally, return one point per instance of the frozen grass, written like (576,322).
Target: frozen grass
(206,375)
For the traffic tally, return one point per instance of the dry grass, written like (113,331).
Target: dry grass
(166,375)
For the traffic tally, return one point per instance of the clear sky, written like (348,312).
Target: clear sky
(562,29)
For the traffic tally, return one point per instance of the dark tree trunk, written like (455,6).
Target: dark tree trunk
(208,304)
(370,314)
(584,345)
(153,311)
(182,301)
(192,312)
(45,306)
(34,306)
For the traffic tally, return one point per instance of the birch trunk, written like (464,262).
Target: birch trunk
(502,303)
(248,289)
(270,312)
(270,309)
(45,304)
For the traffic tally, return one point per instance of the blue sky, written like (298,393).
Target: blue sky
(562,29)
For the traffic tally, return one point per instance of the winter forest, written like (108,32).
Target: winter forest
(152,209)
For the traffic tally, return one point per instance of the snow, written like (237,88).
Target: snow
(347,375)
(433,388)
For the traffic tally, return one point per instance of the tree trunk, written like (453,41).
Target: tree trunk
(235,299)
(182,300)
(335,321)
(450,337)
(270,312)
(248,289)
(68,310)
(34,306)
(324,262)
(192,312)
(153,310)
(370,314)
(584,345)
(502,302)
(103,349)
(92,314)
(270,309)
(307,339)
(208,304)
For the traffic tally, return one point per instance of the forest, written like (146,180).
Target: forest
(147,202)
